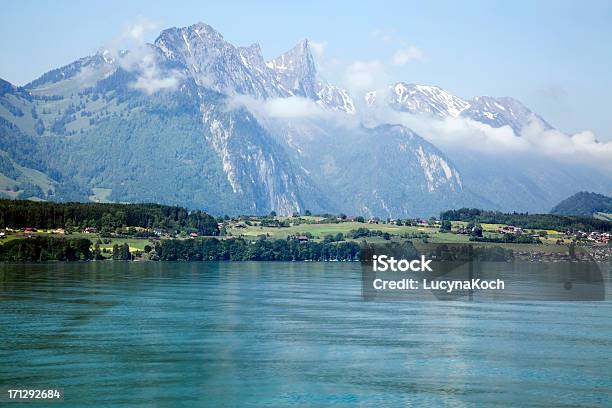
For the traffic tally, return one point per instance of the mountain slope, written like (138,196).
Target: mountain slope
(584,204)
(184,146)
(166,123)
(386,170)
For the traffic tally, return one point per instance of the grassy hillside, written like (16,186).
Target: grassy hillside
(603,216)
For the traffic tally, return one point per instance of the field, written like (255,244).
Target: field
(603,216)
(320,230)
(317,230)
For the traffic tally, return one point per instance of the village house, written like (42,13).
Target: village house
(581,234)
(594,236)
(510,229)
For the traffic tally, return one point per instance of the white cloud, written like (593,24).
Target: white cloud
(461,134)
(293,107)
(579,147)
(142,59)
(405,55)
(318,48)
(137,30)
(363,76)
(150,81)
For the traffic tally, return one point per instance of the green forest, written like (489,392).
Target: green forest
(33,214)
(212,249)
(40,249)
(528,221)
(49,231)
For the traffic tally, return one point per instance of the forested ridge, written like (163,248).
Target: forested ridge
(584,204)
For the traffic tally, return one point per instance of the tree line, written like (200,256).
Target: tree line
(40,249)
(49,248)
(22,214)
(527,221)
(238,249)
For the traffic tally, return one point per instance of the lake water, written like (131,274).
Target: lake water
(279,334)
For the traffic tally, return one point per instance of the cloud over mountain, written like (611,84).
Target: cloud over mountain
(192,119)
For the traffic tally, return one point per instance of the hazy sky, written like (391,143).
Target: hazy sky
(554,56)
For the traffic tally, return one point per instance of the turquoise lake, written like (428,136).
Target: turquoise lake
(119,334)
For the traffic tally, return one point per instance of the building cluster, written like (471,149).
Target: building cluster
(602,237)
(510,229)
(593,236)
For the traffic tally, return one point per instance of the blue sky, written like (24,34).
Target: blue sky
(554,56)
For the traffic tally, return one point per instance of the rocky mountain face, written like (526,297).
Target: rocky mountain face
(163,124)
(441,104)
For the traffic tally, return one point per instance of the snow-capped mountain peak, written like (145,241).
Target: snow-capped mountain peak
(219,65)
(296,70)
(299,58)
(503,111)
(439,103)
(423,99)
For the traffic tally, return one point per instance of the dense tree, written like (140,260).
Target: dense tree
(446,226)
(212,249)
(528,221)
(38,249)
(104,217)
(121,252)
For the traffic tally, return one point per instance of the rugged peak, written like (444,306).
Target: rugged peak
(427,99)
(296,70)
(204,28)
(186,41)
(252,56)
(106,55)
(503,111)
(297,60)
(303,48)
(201,30)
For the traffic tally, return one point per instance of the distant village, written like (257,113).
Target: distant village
(244,222)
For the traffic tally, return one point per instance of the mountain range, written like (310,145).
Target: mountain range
(195,121)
